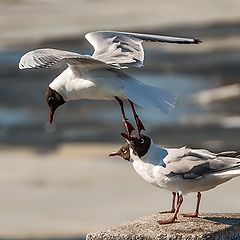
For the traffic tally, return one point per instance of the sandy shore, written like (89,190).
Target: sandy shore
(78,189)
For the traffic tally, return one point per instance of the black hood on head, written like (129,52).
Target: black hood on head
(54,100)
(140,145)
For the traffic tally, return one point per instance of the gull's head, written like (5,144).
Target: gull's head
(54,100)
(140,144)
(123,152)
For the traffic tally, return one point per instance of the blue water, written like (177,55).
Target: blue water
(13,117)
(184,86)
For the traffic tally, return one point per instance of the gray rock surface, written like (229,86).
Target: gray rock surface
(224,226)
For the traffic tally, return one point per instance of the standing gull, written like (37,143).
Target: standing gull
(181,170)
(125,153)
(101,75)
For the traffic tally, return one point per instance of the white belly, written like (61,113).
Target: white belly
(99,85)
(179,184)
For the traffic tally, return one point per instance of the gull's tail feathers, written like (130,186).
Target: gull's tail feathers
(149,97)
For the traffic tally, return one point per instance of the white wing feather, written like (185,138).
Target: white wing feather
(43,58)
(126,48)
(112,48)
(148,96)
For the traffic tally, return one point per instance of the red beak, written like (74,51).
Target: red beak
(51,114)
(114,154)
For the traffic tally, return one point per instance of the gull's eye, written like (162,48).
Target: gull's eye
(141,141)
(124,151)
(50,99)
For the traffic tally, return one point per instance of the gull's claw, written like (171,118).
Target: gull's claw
(191,215)
(129,126)
(174,217)
(168,211)
(126,136)
(167,221)
(139,125)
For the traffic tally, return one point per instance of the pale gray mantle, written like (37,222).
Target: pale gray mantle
(221,226)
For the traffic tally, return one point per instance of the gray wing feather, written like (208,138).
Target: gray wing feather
(196,163)
(229,154)
(43,58)
(126,48)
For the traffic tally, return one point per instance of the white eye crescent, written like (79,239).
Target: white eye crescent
(141,141)
(124,151)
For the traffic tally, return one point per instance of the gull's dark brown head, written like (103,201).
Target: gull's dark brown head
(54,100)
(123,152)
(140,145)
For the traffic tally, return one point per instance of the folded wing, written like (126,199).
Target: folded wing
(198,163)
(122,48)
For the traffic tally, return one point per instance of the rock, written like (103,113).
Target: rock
(211,226)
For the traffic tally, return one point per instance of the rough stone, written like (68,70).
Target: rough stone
(211,226)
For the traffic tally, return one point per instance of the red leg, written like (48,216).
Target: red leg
(138,121)
(173,204)
(174,217)
(177,198)
(129,127)
(196,214)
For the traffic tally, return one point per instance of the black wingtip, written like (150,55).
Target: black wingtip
(197,41)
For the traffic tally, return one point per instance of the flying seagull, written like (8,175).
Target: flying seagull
(101,75)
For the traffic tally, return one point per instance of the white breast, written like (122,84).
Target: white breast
(99,85)
(145,170)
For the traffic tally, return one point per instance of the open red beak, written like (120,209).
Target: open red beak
(114,154)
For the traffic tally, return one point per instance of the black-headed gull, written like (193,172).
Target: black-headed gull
(124,152)
(182,170)
(100,76)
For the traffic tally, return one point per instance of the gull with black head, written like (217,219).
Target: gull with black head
(101,76)
(124,152)
(181,170)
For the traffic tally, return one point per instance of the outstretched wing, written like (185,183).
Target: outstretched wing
(43,58)
(126,48)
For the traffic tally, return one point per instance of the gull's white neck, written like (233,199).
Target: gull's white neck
(155,155)
(145,165)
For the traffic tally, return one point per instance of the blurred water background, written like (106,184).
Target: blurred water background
(58,181)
